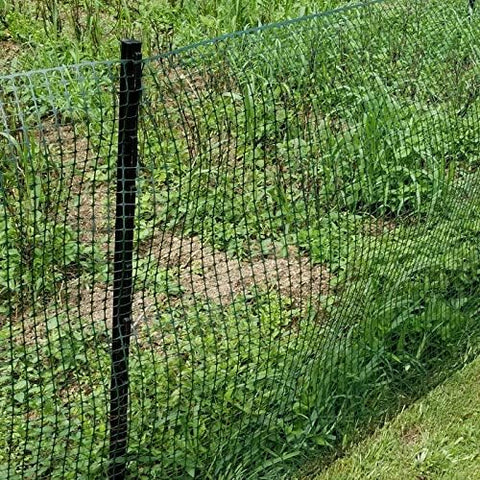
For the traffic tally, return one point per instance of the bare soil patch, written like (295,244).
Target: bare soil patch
(214,275)
(95,306)
(8,51)
(201,271)
(378,226)
(89,205)
(411,435)
(89,309)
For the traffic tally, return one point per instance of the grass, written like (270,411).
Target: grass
(51,32)
(242,367)
(362,165)
(436,438)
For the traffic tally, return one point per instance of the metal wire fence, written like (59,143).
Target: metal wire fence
(266,242)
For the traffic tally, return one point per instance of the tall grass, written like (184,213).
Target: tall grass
(67,32)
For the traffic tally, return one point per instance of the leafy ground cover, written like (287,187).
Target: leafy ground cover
(47,33)
(437,437)
(254,359)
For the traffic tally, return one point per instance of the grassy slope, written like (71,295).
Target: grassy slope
(33,36)
(436,438)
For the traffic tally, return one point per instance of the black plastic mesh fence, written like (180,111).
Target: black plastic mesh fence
(304,250)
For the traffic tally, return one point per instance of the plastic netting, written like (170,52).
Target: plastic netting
(304,257)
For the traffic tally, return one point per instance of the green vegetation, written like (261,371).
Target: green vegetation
(40,249)
(53,32)
(346,143)
(435,438)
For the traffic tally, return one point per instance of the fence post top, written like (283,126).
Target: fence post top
(130,41)
(131,49)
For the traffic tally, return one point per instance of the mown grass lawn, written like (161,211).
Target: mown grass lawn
(438,437)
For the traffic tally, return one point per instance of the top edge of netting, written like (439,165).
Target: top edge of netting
(197,45)
(60,68)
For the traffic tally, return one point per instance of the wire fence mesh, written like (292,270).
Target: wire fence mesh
(305,246)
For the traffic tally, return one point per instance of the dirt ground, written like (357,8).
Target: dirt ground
(202,272)
(8,51)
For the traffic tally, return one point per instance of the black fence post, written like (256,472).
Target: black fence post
(130,92)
